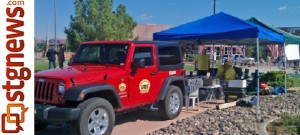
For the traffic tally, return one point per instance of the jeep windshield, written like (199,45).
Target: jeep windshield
(101,54)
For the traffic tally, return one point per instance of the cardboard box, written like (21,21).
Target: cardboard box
(237,83)
(211,81)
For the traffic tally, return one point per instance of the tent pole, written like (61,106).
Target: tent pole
(284,68)
(213,61)
(257,67)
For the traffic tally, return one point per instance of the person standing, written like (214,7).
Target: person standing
(295,64)
(268,60)
(61,56)
(51,57)
(280,60)
(202,63)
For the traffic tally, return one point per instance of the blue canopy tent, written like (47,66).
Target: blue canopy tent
(223,28)
(220,28)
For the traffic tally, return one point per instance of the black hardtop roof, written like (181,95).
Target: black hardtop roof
(157,43)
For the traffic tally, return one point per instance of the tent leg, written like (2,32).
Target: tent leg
(257,66)
(213,61)
(284,68)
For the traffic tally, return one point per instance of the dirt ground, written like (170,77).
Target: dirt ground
(135,122)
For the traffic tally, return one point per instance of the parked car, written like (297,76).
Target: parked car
(225,57)
(109,77)
(238,58)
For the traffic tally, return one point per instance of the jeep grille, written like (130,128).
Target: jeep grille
(45,90)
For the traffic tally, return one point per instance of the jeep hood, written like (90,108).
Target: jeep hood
(81,73)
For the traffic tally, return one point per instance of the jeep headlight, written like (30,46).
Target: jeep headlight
(61,88)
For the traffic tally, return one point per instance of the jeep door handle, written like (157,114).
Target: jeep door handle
(153,73)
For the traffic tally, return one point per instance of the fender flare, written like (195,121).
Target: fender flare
(168,81)
(73,94)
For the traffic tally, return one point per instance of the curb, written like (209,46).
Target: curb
(263,126)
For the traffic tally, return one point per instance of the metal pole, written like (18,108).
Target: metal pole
(257,66)
(55,40)
(284,67)
(213,64)
(231,53)
(214,6)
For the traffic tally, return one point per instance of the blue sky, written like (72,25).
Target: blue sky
(279,13)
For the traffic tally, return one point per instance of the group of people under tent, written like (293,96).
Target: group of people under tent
(225,72)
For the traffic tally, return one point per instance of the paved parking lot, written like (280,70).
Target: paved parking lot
(135,122)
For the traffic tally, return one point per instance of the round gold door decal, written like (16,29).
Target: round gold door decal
(144,86)
(122,87)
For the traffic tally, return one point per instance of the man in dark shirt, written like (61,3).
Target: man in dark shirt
(51,57)
(61,56)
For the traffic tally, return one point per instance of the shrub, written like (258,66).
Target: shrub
(276,79)
(190,58)
(292,123)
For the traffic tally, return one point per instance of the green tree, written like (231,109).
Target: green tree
(124,24)
(95,20)
(250,50)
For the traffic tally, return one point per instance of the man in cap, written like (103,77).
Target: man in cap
(225,73)
(202,63)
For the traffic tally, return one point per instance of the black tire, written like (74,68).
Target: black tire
(39,125)
(80,126)
(164,106)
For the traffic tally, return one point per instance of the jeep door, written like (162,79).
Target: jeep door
(142,80)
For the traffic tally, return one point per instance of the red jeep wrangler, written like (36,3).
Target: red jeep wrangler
(106,77)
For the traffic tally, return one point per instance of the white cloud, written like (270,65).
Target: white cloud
(144,17)
(282,8)
(299,6)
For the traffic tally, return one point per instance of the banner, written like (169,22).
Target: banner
(16,68)
(292,52)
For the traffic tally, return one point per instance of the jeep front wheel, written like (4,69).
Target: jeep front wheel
(39,125)
(96,117)
(170,108)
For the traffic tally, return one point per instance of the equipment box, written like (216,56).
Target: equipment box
(234,93)
(237,83)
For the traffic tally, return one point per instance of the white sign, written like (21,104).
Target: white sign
(292,52)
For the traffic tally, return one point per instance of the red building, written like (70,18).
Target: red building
(145,32)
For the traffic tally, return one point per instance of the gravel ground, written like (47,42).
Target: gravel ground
(235,120)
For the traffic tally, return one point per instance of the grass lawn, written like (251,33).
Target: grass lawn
(188,67)
(286,125)
(296,80)
(41,65)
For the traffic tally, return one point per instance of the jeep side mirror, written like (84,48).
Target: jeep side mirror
(70,61)
(138,63)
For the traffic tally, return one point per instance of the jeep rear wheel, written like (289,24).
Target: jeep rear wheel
(170,108)
(96,117)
